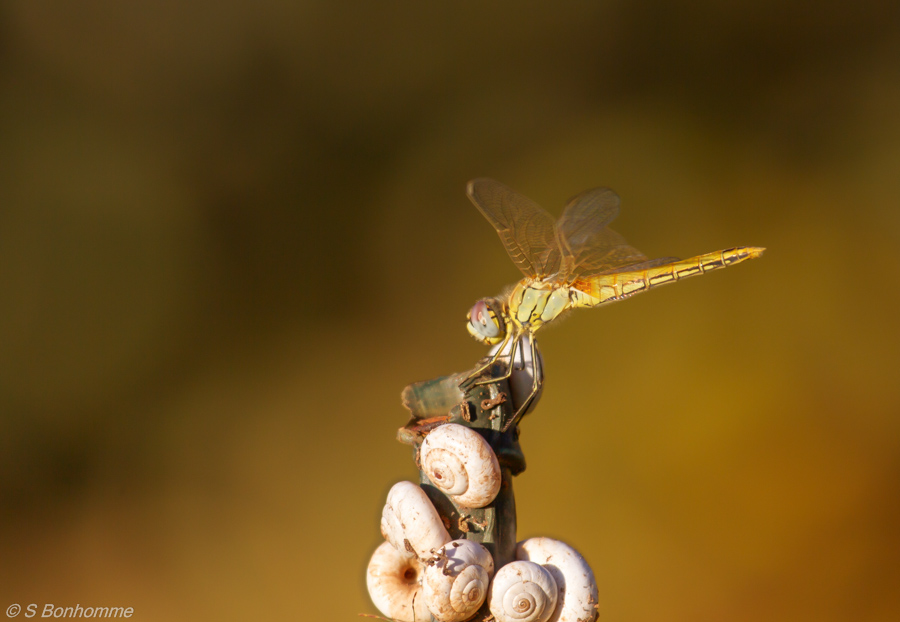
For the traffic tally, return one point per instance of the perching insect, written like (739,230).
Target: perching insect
(576,261)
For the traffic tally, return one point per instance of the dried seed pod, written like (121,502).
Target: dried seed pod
(456,582)
(395,585)
(577,588)
(459,462)
(410,522)
(522,591)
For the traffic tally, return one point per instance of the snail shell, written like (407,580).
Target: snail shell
(410,522)
(460,463)
(577,588)
(456,584)
(522,591)
(395,585)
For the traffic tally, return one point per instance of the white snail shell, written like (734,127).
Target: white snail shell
(409,520)
(522,591)
(577,595)
(395,585)
(460,463)
(456,585)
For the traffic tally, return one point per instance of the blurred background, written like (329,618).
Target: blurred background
(230,234)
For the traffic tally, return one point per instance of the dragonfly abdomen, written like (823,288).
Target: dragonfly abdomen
(602,288)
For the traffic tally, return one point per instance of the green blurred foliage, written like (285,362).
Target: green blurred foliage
(230,234)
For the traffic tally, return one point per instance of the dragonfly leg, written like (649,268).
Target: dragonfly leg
(470,379)
(538,379)
(509,367)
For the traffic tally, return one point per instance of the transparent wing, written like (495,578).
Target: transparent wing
(526,230)
(588,246)
(644,265)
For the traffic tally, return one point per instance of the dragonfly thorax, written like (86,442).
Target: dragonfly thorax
(534,303)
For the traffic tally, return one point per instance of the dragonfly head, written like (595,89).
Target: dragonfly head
(486,321)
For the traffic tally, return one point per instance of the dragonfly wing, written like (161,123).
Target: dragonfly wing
(588,245)
(526,230)
(644,265)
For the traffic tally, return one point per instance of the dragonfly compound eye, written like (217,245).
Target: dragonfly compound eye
(485,322)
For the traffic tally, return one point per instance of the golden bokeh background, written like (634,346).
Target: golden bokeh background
(231,233)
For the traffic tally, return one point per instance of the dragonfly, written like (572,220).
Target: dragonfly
(576,261)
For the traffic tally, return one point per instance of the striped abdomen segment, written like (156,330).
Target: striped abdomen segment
(596,290)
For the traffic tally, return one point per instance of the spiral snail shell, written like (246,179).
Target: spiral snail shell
(410,522)
(456,582)
(577,588)
(459,462)
(522,591)
(395,585)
